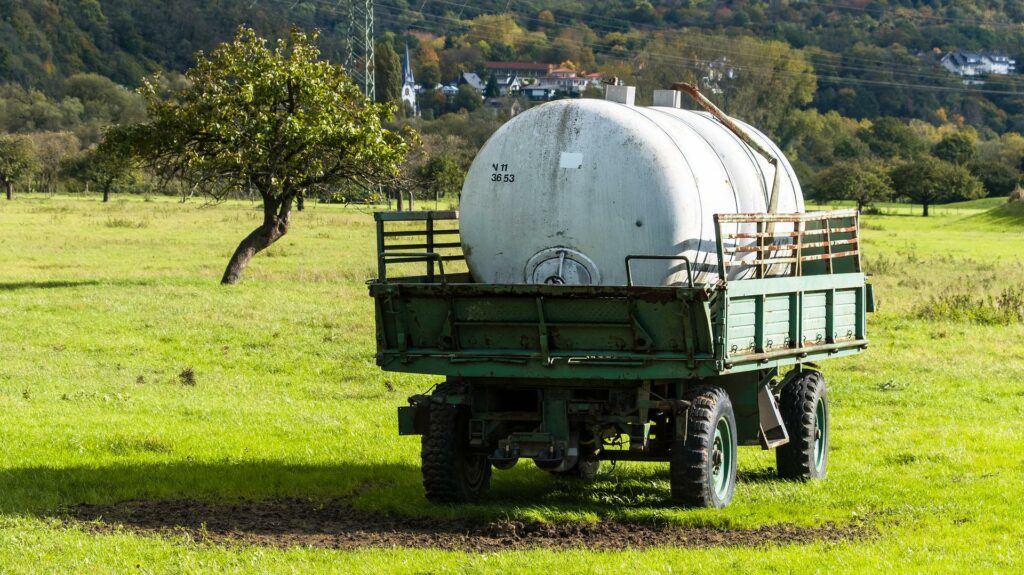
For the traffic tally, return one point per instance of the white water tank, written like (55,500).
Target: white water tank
(565,191)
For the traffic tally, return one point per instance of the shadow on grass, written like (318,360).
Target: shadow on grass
(378,487)
(62,284)
(43,490)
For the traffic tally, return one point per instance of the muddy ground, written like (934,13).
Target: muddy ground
(337,525)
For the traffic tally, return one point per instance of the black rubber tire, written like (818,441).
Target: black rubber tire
(798,404)
(690,462)
(452,473)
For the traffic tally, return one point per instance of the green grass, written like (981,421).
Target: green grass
(102,307)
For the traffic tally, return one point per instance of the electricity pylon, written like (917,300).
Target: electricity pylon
(359,53)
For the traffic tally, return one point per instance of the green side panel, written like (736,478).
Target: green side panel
(742,326)
(845,315)
(776,322)
(814,321)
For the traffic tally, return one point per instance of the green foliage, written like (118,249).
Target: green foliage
(430,75)
(864,182)
(467,99)
(442,176)
(999,178)
(1005,308)
(278,120)
(51,150)
(927,180)
(16,161)
(107,167)
(958,148)
(388,73)
(492,90)
(891,138)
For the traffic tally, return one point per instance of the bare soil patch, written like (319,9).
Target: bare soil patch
(336,524)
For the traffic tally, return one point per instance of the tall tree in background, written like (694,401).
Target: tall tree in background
(928,181)
(388,72)
(278,120)
(107,167)
(864,182)
(467,99)
(957,148)
(441,176)
(51,149)
(891,138)
(16,162)
(492,91)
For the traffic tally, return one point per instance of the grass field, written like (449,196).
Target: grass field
(128,373)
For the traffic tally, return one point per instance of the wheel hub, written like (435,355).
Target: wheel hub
(721,459)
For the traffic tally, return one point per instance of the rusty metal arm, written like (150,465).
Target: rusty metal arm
(711,108)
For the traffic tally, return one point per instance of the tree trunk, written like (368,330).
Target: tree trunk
(276,215)
(10,190)
(400,199)
(106,194)
(300,203)
(926,210)
(412,205)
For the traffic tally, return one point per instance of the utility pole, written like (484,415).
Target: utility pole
(360,41)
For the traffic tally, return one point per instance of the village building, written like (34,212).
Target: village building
(564,80)
(473,80)
(971,64)
(538,93)
(509,85)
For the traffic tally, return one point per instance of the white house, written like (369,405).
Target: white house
(969,64)
(509,85)
(564,80)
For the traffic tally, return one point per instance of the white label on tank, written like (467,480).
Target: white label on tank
(571,161)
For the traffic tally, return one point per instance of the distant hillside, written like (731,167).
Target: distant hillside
(870,59)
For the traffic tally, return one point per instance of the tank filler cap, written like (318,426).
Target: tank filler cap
(562,266)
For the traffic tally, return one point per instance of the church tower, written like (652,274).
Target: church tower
(409,84)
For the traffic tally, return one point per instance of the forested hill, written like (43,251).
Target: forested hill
(865,59)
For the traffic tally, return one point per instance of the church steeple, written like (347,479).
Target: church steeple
(409,84)
(407,68)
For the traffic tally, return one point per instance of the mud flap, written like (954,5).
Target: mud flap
(772,430)
(412,420)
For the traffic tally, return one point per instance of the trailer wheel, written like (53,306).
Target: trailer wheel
(452,473)
(803,403)
(702,465)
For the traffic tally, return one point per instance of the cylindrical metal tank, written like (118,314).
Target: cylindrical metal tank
(565,191)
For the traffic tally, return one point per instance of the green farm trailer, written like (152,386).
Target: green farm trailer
(572,375)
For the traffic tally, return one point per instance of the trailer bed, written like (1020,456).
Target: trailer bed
(617,332)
